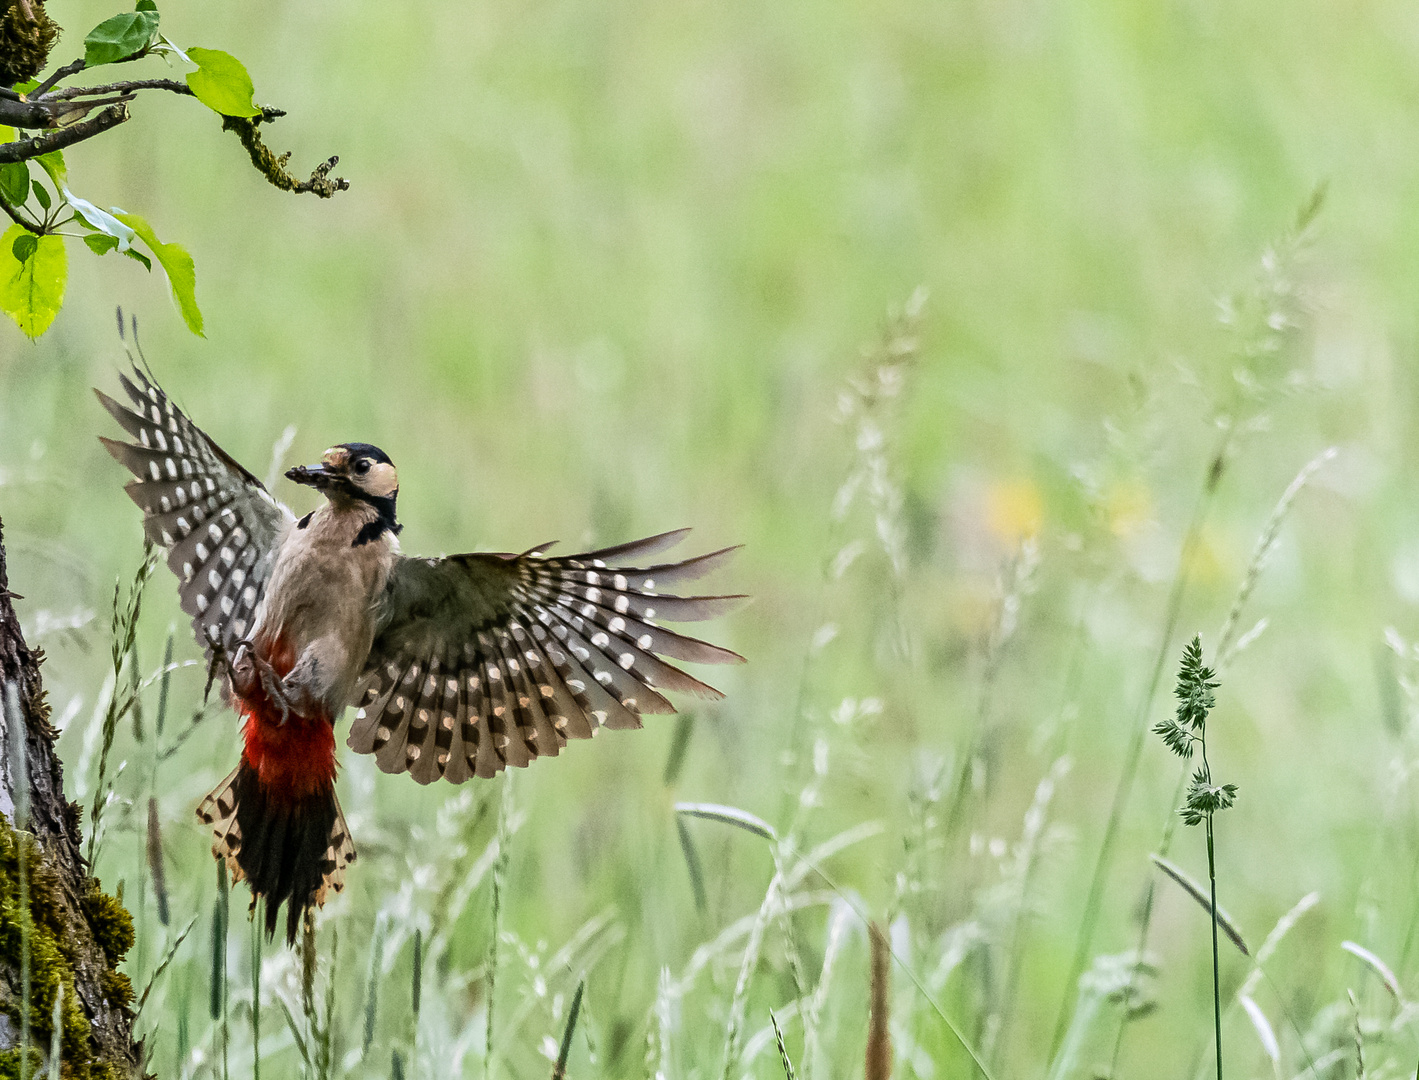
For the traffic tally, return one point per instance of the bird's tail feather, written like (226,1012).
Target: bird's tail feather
(291,851)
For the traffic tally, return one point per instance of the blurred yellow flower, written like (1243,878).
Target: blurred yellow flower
(1128,508)
(1014,509)
(1205,559)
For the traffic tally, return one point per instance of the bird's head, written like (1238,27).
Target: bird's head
(353,472)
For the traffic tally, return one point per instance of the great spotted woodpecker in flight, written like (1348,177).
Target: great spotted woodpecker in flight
(457,666)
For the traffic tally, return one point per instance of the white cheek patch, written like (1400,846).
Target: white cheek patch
(382,481)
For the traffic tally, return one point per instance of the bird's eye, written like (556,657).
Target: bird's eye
(362,466)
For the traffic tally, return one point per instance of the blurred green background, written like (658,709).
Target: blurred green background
(607,269)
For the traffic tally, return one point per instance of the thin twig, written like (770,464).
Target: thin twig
(24,149)
(123,88)
(71,68)
(20,220)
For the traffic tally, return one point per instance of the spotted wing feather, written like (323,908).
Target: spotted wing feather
(218,522)
(484,661)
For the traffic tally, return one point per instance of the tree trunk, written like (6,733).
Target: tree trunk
(61,938)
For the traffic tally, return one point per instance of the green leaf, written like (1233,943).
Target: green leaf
(101,243)
(177,263)
(24,246)
(138,256)
(120,37)
(221,83)
(15,183)
(32,290)
(53,163)
(146,5)
(41,195)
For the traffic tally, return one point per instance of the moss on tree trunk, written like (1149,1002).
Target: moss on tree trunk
(75,934)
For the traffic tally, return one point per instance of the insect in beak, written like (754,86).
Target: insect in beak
(316,476)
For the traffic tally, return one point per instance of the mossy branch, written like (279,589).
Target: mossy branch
(273,167)
(63,114)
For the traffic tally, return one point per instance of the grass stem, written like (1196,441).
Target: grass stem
(1124,788)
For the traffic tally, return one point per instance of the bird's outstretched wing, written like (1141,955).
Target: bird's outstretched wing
(482,661)
(218,522)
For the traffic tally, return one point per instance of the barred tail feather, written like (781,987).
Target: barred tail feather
(291,851)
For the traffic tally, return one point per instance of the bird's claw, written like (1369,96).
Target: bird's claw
(249,670)
(220,658)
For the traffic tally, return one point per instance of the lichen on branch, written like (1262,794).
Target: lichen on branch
(273,167)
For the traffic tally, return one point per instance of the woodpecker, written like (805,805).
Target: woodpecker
(457,666)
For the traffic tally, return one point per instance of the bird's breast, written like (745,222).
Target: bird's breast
(323,586)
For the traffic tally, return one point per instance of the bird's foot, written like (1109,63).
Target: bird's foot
(219,660)
(250,672)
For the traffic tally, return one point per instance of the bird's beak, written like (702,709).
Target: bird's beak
(316,476)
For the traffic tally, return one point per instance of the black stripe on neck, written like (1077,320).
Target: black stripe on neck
(385,522)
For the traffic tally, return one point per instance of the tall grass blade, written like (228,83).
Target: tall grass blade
(16,732)
(134,684)
(297,1035)
(1197,892)
(559,1070)
(125,631)
(879,1035)
(219,961)
(155,861)
(1093,903)
(728,815)
(1273,940)
(372,984)
(163,965)
(308,956)
(56,1028)
(692,863)
(324,1056)
(782,1050)
(215,985)
(418,975)
(1227,644)
(679,744)
(256,924)
(1264,1032)
(1378,966)
(926,994)
(837,932)
(1359,1036)
(747,967)
(163,684)
(499,876)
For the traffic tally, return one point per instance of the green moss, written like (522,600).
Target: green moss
(25,41)
(53,948)
(112,925)
(117,987)
(10,1064)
